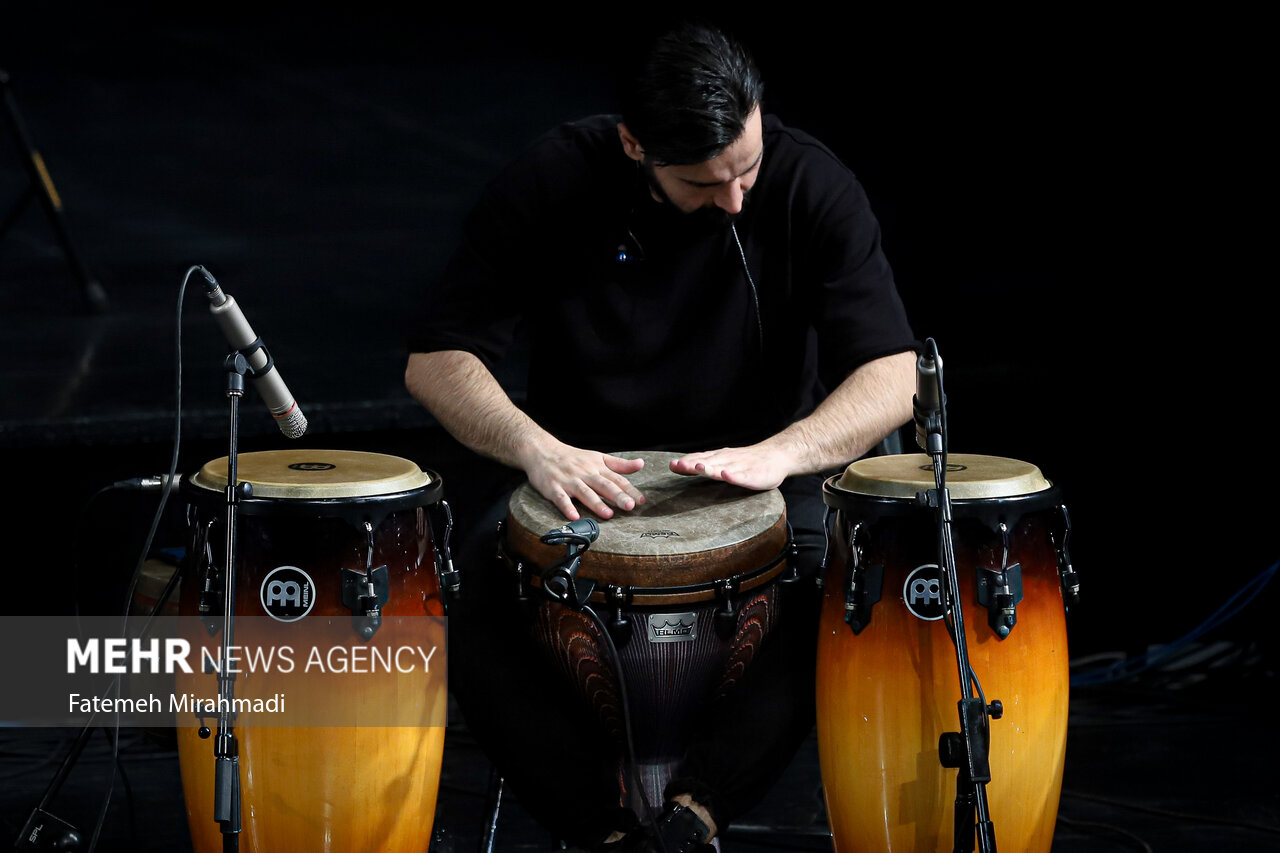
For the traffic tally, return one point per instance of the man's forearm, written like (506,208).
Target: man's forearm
(471,404)
(869,404)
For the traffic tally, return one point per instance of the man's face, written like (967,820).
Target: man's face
(716,188)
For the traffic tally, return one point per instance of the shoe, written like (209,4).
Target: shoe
(679,830)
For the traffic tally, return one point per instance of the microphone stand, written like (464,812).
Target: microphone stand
(969,749)
(226,791)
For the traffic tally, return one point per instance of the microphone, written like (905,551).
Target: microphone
(928,400)
(154,483)
(584,531)
(560,581)
(241,337)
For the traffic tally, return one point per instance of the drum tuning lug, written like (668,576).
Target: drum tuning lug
(364,594)
(619,626)
(449,578)
(1067,573)
(996,709)
(620,629)
(726,617)
(863,585)
(1001,592)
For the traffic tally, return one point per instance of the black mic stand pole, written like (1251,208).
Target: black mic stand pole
(969,750)
(226,750)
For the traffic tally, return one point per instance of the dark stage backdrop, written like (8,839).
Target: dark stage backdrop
(1057,214)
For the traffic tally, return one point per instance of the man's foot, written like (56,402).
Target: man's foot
(679,830)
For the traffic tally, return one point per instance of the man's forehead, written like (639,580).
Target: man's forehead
(739,158)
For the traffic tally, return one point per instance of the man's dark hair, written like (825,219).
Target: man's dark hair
(689,96)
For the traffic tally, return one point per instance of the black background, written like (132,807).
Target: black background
(1065,199)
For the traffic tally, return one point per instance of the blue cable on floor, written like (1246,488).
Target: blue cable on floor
(1133,666)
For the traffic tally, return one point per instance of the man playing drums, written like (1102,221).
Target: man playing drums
(693,277)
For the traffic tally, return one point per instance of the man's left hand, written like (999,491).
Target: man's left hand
(755,467)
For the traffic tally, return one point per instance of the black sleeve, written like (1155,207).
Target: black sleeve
(474,305)
(855,306)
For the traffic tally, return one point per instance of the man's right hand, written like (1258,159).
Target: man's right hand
(466,399)
(562,473)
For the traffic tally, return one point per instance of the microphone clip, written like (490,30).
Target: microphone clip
(560,580)
(240,360)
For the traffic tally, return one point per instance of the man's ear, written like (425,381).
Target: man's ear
(630,145)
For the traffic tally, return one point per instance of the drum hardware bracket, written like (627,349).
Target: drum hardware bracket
(726,617)
(209,604)
(619,626)
(449,578)
(863,585)
(365,593)
(1070,580)
(1000,590)
(792,574)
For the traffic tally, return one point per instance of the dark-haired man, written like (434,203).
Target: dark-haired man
(695,277)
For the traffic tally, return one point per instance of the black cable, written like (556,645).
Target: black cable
(1184,817)
(1108,829)
(146,548)
(636,781)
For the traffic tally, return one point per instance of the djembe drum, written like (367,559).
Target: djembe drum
(683,588)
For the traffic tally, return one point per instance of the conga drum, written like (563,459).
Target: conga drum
(674,599)
(888,682)
(339,618)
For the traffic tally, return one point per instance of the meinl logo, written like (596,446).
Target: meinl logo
(922,593)
(287,594)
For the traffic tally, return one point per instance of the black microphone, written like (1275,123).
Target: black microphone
(929,400)
(241,337)
(584,531)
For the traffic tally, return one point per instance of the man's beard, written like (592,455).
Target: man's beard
(702,220)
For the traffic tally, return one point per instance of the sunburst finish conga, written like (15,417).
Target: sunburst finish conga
(888,680)
(686,585)
(337,572)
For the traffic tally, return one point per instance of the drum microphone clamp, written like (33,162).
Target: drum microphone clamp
(561,580)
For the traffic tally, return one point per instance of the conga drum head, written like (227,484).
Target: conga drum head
(979,485)
(336,571)
(284,481)
(888,684)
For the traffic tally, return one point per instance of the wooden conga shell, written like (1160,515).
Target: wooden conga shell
(886,694)
(332,782)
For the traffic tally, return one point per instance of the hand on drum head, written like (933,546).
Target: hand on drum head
(756,467)
(562,474)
